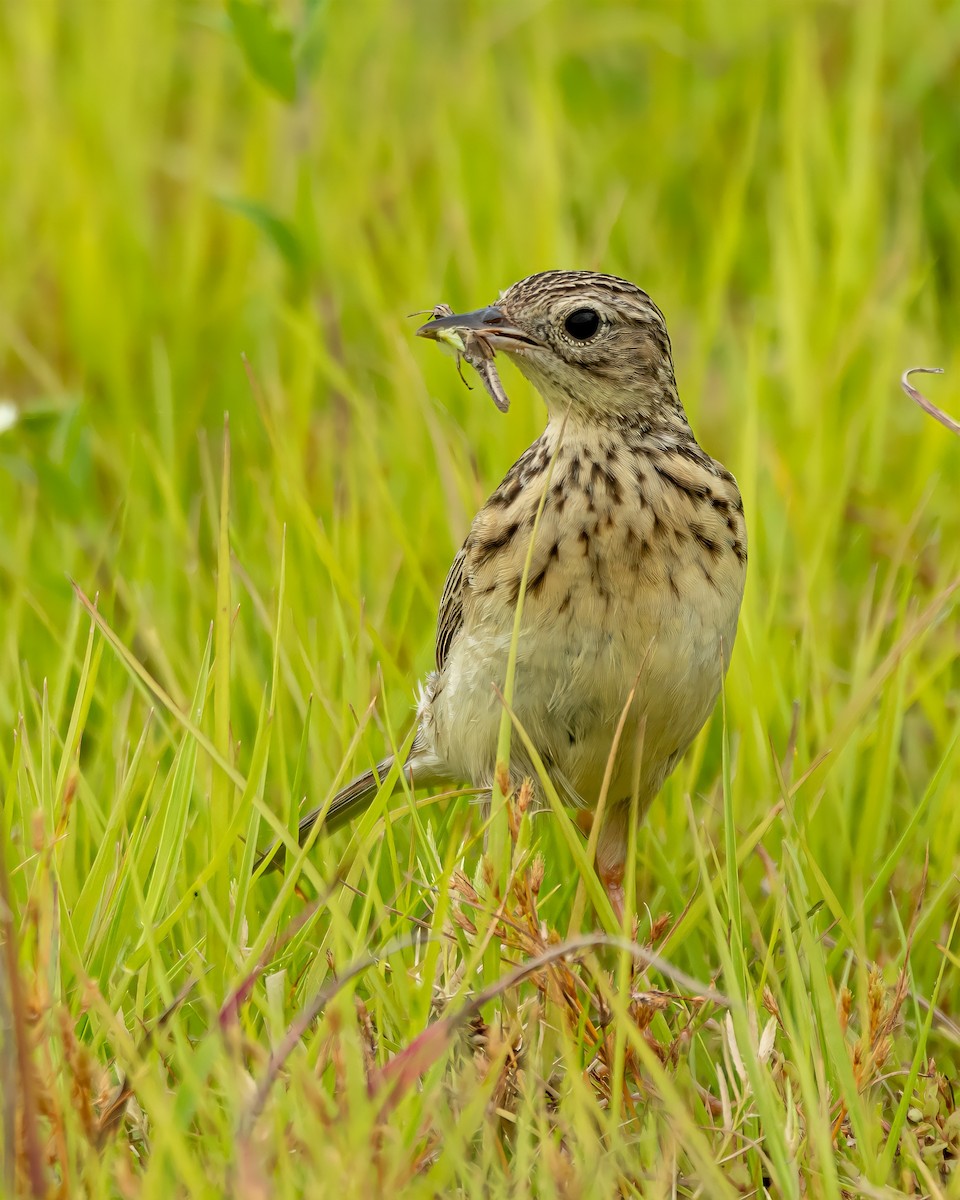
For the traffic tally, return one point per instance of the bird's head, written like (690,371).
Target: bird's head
(594,346)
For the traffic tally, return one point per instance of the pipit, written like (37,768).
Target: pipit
(635,582)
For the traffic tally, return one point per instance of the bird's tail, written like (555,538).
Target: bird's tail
(351,799)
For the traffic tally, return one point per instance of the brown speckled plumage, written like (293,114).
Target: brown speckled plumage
(637,571)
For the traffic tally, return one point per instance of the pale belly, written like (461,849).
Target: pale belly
(575,671)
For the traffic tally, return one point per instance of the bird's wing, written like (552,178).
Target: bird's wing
(493,517)
(450,618)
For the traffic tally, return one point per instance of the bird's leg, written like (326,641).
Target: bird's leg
(612,880)
(612,854)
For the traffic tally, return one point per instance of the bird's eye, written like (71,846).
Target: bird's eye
(582,323)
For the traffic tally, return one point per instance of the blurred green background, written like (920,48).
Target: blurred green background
(184,184)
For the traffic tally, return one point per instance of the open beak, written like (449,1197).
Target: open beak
(490,323)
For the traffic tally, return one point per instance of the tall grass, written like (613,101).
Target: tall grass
(208,211)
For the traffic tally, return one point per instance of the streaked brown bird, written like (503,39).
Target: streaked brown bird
(636,579)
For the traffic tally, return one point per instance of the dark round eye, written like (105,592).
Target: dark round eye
(582,323)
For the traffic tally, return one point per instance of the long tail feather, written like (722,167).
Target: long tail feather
(353,798)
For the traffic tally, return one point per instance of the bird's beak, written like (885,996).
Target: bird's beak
(490,323)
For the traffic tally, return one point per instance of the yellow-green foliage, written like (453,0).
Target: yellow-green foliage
(211,209)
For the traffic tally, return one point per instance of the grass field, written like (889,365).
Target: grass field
(205,627)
